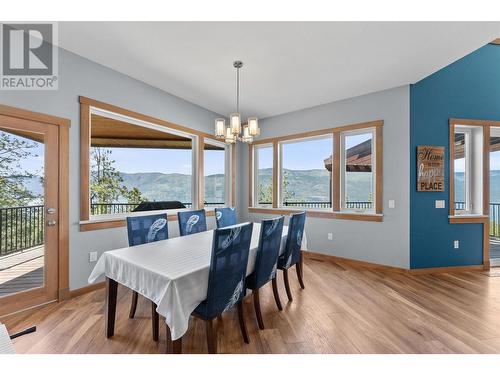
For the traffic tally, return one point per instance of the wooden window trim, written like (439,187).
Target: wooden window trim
(334,212)
(85,107)
(473,219)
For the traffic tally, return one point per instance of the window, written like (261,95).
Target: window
(263,175)
(332,173)
(357,178)
(468,169)
(306,178)
(215,172)
(136,166)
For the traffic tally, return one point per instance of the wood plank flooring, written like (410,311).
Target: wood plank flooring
(342,310)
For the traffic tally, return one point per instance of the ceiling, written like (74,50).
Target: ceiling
(288,65)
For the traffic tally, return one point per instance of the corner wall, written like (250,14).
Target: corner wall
(468,88)
(386,242)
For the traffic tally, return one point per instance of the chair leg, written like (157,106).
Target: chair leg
(256,305)
(211,336)
(133,306)
(300,271)
(287,285)
(243,325)
(276,294)
(155,321)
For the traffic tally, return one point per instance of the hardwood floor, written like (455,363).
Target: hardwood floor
(342,310)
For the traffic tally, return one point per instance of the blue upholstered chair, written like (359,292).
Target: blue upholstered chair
(226,279)
(191,222)
(266,262)
(142,230)
(225,217)
(292,255)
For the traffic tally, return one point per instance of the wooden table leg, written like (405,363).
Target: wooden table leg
(173,347)
(155,321)
(111,292)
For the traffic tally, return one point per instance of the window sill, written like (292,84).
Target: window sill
(98,222)
(468,219)
(325,214)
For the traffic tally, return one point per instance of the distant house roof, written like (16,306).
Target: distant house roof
(358,158)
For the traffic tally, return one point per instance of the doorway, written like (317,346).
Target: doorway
(33,209)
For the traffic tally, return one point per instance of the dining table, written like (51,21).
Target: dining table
(173,273)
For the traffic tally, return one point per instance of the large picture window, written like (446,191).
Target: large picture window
(306,178)
(137,167)
(334,172)
(132,163)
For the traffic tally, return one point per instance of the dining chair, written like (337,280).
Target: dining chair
(226,279)
(191,222)
(265,263)
(292,255)
(142,230)
(225,217)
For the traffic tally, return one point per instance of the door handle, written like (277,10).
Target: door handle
(51,223)
(51,210)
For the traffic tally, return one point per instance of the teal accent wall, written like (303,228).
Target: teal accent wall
(468,88)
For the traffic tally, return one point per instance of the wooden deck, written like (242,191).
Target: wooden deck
(344,309)
(21,271)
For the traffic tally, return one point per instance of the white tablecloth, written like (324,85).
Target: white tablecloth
(172,273)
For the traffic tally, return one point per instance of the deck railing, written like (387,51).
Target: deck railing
(21,228)
(119,208)
(355,205)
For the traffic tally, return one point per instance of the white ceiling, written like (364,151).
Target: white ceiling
(288,65)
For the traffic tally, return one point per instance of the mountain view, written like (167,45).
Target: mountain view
(308,185)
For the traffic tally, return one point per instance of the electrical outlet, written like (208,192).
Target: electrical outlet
(93,256)
(440,204)
(456,244)
(392,203)
(330,236)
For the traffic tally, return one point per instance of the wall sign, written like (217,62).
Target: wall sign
(430,168)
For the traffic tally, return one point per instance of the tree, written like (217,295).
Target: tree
(106,181)
(13,192)
(266,191)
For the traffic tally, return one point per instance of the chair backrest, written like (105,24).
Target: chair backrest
(225,217)
(228,266)
(291,254)
(268,251)
(191,222)
(145,229)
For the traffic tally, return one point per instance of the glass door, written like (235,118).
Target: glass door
(28,213)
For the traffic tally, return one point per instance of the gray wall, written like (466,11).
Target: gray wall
(386,242)
(79,76)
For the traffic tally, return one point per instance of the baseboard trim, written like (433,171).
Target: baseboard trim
(86,289)
(383,267)
(64,294)
(352,262)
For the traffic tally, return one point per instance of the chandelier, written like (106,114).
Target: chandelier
(233,132)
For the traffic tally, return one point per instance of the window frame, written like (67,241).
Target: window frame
(334,212)
(343,159)
(89,106)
